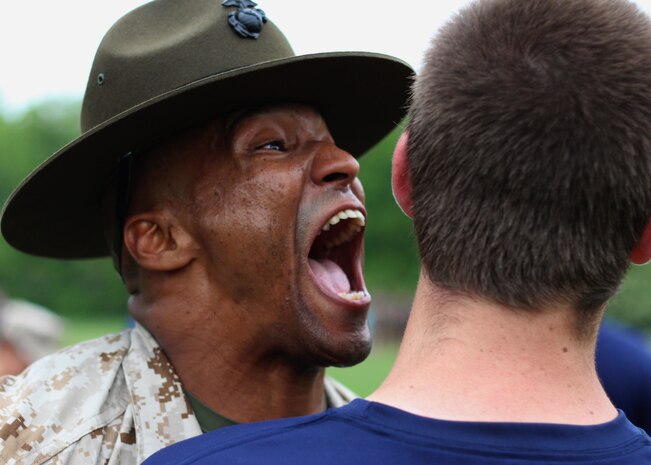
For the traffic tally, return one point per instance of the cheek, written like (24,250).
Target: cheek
(263,208)
(270,196)
(252,234)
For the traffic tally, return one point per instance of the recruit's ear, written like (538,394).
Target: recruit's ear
(641,253)
(400,179)
(157,243)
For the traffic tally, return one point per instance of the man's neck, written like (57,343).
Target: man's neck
(232,373)
(248,390)
(471,360)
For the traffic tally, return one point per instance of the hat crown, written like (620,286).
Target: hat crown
(166,44)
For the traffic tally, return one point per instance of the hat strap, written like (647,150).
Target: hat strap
(125,167)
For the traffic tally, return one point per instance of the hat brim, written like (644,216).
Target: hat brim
(55,212)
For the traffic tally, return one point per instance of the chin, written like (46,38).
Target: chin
(342,350)
(352,356)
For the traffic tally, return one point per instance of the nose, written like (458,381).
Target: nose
(334,166)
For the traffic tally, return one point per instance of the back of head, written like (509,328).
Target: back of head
(530,150)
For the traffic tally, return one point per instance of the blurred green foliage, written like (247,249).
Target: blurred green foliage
(364,378)
(391,253)
(91,288)
(633,303)
(73,288)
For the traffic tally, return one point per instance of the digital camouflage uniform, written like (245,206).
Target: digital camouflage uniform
(112,400)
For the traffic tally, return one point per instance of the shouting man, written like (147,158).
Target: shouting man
(219,171)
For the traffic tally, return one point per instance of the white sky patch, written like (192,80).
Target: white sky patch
(47,47)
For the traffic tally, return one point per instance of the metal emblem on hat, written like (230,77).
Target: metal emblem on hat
(248,20)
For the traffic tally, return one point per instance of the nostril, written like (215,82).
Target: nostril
(334,177)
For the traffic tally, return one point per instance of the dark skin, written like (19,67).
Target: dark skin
(216,244)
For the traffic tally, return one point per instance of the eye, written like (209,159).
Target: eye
(275,145)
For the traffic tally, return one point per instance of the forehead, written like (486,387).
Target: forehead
(271,111)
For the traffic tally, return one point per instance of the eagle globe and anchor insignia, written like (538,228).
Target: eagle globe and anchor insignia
(248,20)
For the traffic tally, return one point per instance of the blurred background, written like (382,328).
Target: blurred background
(47,50)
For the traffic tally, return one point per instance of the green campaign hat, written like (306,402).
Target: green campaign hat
(169,65)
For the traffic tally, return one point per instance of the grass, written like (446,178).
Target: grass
(78,330)
(362,379)
(365,377)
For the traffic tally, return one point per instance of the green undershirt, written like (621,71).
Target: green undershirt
(208,419)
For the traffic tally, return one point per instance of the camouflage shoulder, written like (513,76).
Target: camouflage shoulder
(336,393)
(61,398)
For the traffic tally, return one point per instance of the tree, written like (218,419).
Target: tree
(73,288)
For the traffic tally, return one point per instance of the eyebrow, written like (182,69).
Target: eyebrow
(237,117)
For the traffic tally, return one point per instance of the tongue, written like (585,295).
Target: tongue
(330,275)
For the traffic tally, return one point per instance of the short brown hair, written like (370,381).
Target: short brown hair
(530,150)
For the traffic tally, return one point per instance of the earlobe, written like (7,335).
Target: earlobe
(156,243)
(400,179)
(641,253)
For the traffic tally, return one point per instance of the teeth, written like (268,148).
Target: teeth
(346,232)
(356,215)
(354,295)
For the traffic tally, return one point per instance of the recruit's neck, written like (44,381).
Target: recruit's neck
(469,359)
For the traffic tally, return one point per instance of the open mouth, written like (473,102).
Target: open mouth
(335,256)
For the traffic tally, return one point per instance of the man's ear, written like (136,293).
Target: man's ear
(641,253)
(157,243)
(400,179)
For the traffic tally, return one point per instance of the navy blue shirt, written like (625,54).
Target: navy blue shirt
(370,433)
(624,366)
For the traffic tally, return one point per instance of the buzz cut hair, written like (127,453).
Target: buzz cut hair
(530,150)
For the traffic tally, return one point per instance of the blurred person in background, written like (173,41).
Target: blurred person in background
(219,171)
(27,333)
